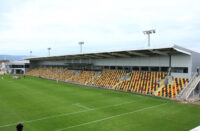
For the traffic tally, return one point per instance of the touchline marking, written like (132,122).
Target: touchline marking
(65,114)
(123,114)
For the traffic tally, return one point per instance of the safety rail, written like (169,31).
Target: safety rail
(180,95)
(160,88)
(197,80)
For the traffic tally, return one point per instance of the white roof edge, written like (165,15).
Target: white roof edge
(136,49)
(175,47)
(182,51)
(18,62)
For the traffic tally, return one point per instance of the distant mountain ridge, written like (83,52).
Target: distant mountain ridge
(13,57)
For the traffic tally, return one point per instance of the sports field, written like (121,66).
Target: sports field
(45,105)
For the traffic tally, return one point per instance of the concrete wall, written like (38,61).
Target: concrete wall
(58,62)
(181,75)
(182,61)
(34,64)
(177,61)
(61,62)
(195,62)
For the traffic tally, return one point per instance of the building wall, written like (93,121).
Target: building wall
(195,62)
(12,70)
(177,61)
(136,61)
(47,63)
(181,75)
(182,61)
(57,62)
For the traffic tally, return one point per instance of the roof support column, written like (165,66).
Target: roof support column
(170,64)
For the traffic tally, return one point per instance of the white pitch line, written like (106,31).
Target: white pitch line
(123,114)
(65,114)
(115,105)
(82,106)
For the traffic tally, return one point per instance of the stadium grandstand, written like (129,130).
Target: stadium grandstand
(168,72)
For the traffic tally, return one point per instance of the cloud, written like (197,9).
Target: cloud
(102,24)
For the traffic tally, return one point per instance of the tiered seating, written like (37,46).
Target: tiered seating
(34,72)
(62,74)
(40,71)
(83,77)
(171,91)
(139,82)
(56,72)
(52,73)
(108,78)
(68,74)
(142,82)
(46,72)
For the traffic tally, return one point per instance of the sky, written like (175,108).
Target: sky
(103,25)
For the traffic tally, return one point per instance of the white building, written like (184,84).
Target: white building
(17,66)
(3,66)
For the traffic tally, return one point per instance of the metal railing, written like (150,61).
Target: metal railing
(187,86)
(197,79)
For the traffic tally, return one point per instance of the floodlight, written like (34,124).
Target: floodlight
(31,53)
(81,43)
(49,50)
(148,32)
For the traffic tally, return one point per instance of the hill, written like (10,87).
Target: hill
(13,57)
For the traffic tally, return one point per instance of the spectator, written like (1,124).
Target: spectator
(19,127)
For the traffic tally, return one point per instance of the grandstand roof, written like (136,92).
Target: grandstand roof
(165,51)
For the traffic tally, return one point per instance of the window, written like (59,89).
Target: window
(119,68)
(154,68)
(112,67)
(144,69)
(27,66)
(136,68)
(97,68)
(106,67)
(126,68)
(179,69)
(164,69)
(17,66)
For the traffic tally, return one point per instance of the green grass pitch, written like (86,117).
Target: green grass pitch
(45,105)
